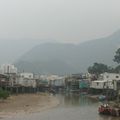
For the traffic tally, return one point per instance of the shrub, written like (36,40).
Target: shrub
(4,94)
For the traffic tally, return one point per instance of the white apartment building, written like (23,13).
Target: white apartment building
(26,80)
(106,80)
(8,69)
(27,75)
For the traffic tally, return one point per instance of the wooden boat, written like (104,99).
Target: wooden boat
(108,110)
(104,109)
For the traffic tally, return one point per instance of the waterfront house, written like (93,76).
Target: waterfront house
(26,80)
(27,75)
(107,83)
(4,80)
(42,83)
(76,82)
(57,83)
(11,72)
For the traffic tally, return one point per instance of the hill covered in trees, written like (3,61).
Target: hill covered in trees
(60,58)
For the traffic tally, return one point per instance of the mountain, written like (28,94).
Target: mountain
(60,58)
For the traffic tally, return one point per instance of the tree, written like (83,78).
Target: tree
(117,69)
(4,94)
(117,59)
(117,56)
(111,69)
(98,68)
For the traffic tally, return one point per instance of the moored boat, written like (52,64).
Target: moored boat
(105,109)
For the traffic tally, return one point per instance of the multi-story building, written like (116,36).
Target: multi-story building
(27,75)
(8,69)
(106,81)
(26,80)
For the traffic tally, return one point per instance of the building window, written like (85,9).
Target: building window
(117,76)
(97,83)
(107,76)
(113,82)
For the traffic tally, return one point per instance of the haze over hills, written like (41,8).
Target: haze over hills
(63,58)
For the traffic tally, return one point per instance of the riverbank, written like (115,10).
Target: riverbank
(26,103)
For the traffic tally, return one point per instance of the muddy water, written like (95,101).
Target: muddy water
(72,107)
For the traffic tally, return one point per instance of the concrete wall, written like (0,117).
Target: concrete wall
(26,82)
(27,75)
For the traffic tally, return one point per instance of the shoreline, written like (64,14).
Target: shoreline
(27,104)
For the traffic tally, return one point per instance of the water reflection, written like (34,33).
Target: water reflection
(76,100)
(103,117)
(83,103)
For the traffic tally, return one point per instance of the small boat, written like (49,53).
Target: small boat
(105,109)
(102,97)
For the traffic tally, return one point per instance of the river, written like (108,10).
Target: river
(72,107)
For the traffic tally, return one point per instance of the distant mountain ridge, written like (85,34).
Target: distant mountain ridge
(60,58)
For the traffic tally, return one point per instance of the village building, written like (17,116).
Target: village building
(105,81)
(27,75)
(57,83)
(107,84)
(10,71)
(26,80)
(4,80)
(77,83)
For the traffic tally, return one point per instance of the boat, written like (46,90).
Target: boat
(102,97)
(106,109)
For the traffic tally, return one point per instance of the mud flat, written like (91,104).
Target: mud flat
(26,104)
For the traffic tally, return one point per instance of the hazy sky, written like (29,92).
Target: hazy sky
(33,21)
